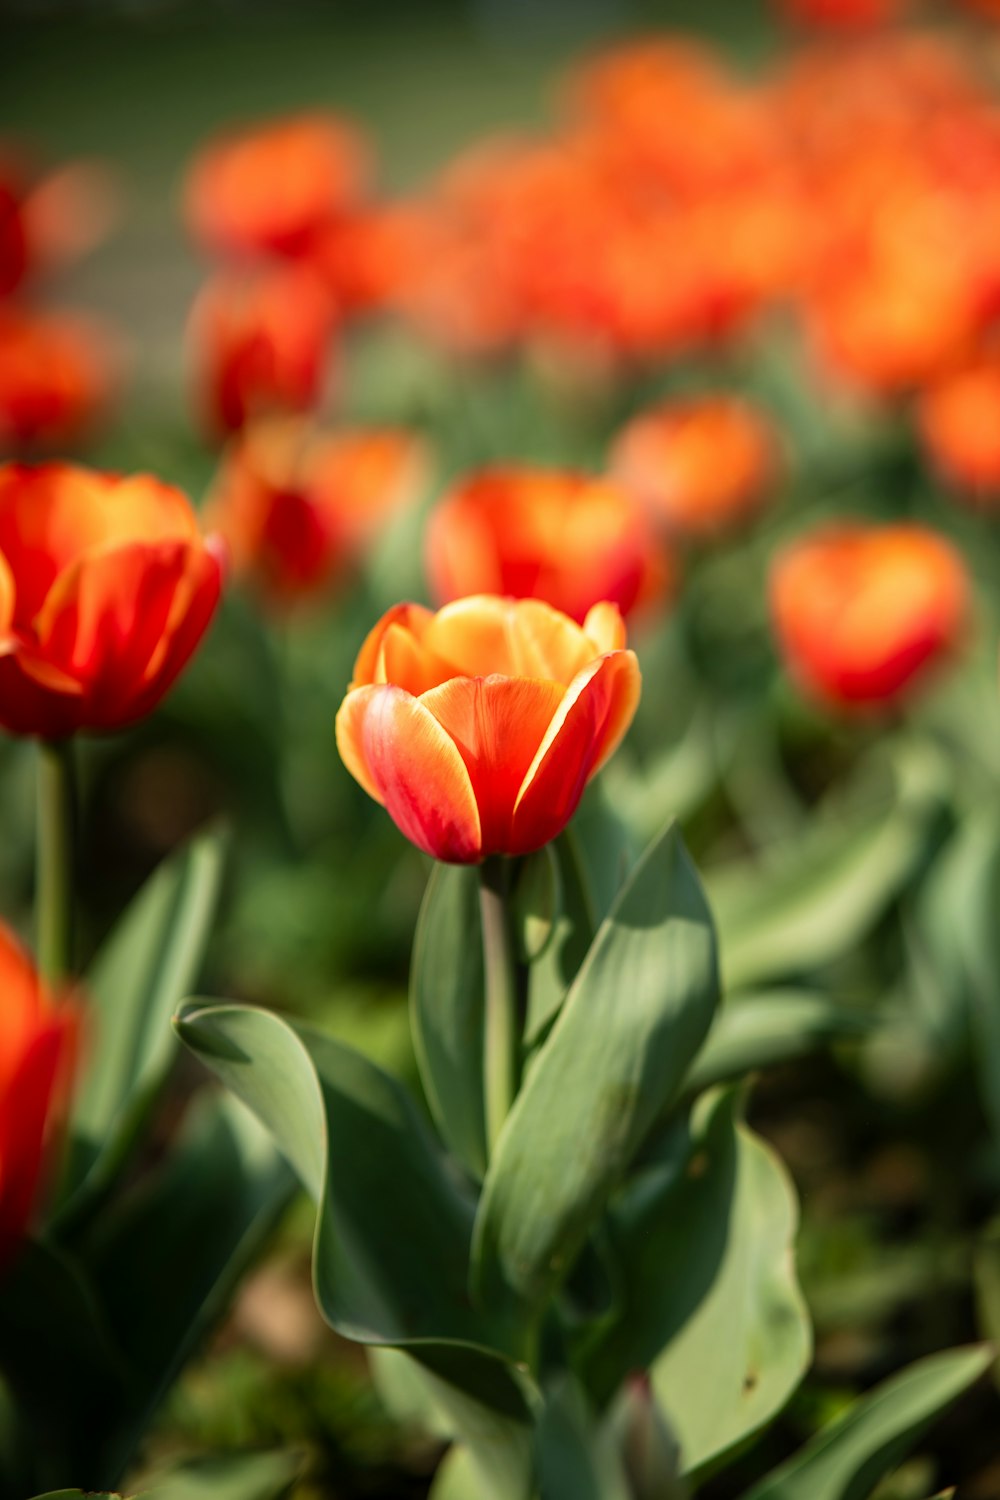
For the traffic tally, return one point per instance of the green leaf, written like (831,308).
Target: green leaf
(146,966)
(229,1476)
(554,970)
(759,1030)
(634,1018)
(792,915)
(847,1458)
(394,1225)
(714,1312)
(537,900)
(574,1456)
(207,1209)
(447,1010)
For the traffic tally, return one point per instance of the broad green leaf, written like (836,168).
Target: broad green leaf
(206,1210)
(229,1476)
(536,900)
(792,915)
(461,1475)
(575,1456)
(446,1010)
(554,970)
(394,1225)
(986,1269)
(714,1312)
(136,981)
(605,846)
(847,1458)
(754,1031)
(634,1018)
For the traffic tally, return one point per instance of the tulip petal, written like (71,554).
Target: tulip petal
(497,724)
(586,730)
(605,627)
(399,752)
(411,617)
(484,635)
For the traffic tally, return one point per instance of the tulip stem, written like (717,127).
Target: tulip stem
(54,853)
(501,1038)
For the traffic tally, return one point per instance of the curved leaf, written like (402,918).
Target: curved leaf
(133,986)
(555,968)
(447,1010)
(635,1016)
(715,1312)
(847,1458)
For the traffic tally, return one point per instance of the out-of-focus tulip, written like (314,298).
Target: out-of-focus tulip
(959,425)
(260,344)
(862,612)
(58,372)
(37,1050)
(842,14)
(106,588)
(50,219)
(550,534)
(295,506)
(703,466)
(477,728)
(271,188)
(369,258)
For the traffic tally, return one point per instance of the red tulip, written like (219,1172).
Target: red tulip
(106,588)
(701,466)
(862,612)
(549,534)
(477,728)
(260,344)
(37,1050)
(58,372)
(271,188)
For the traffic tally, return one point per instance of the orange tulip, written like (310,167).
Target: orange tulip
(295,507)
(959,424)
(106,588)
(48,220)
(271,188)
(702,466)
(260,344)
(549,534)
(862,612)
(477,728)
(37,1050)
(58,372)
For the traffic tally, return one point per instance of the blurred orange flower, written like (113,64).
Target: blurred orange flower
(260,343)
(272,187)
(862,612)
(106,588)
(58,373)
(477,728)
(48,219)
(959,424)
(37,1050)
(702,466)
(842,13)
(550,534)
(296,507)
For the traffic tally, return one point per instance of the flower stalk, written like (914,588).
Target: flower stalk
(55,843)
(502,1031)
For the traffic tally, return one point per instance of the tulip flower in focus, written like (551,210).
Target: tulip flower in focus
(260,344)
(106,588)
(58,373)
(549,534)
(959,424)
(270,189)
(478,727)
(862,613)
(37,1048)
(702,466)
(295,507)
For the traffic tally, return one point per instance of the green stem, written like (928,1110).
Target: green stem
(54,871)
(502,1040)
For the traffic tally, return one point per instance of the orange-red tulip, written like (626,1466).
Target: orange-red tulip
(260,344)
(862,612)
(703,466)
(959,424)
(106,588)
(477,728)
(550,534)
(295,506)
(58,372)
(50,219)
(271,188)
(37,1049)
